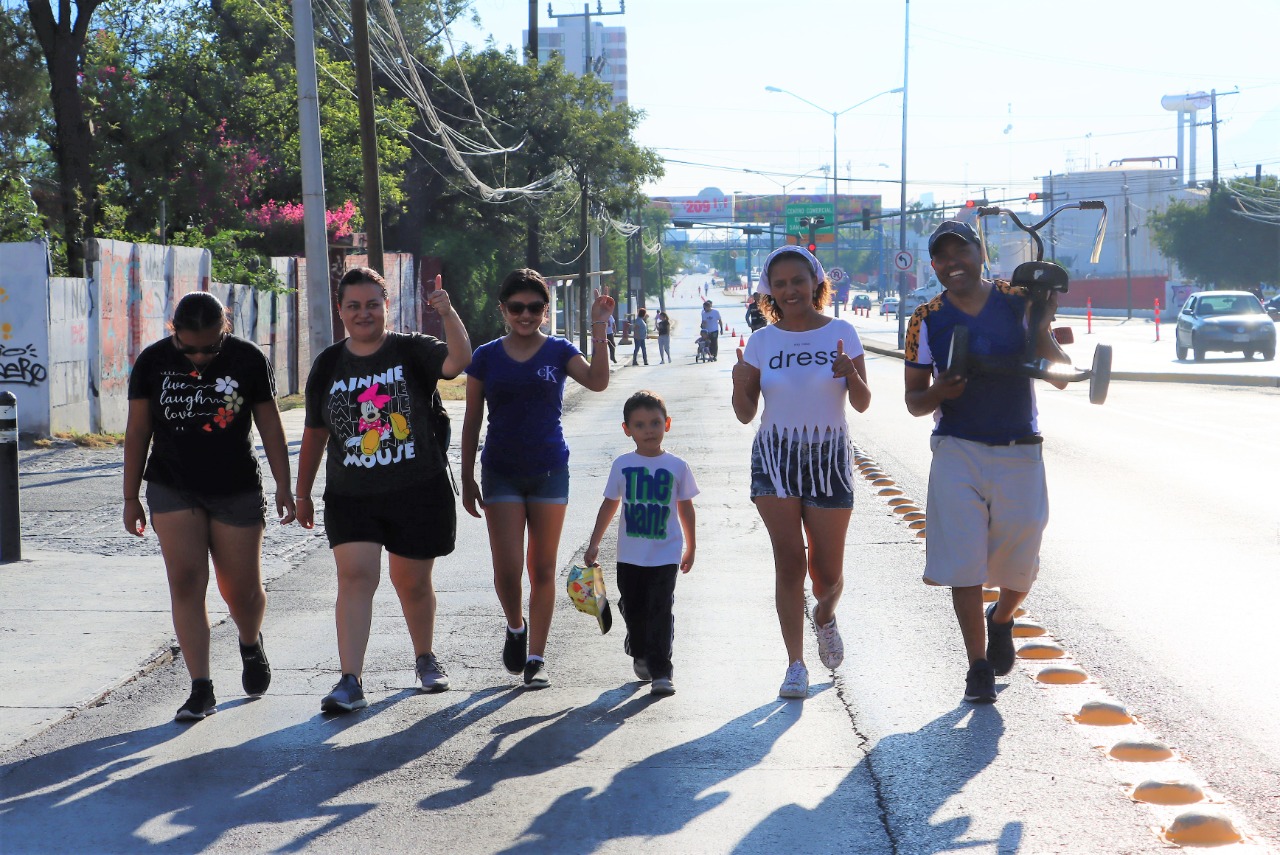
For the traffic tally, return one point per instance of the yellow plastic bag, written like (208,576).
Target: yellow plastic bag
(586,590)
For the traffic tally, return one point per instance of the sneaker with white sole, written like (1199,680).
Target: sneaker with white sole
(347,695)
(641,669)
(830,645)
(796,683)
(431,674)
(201,703)
(535,674)
(662,686)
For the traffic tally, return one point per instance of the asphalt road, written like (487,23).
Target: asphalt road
(1156,578)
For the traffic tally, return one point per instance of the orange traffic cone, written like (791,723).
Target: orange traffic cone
(742,341)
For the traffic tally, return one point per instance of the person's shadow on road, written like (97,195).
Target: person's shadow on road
(914,776)
(116,794)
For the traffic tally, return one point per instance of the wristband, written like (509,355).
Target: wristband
(130,498)
(593,323)
(599,341)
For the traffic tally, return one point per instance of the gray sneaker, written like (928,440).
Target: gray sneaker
(662,686)
(795,684)
(641,669)
(432,674)
(347,695)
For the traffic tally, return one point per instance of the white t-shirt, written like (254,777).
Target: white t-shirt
(711,321)
(803,403)
(649,532)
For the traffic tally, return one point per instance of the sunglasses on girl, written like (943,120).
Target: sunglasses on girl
(518,308)
(188,350)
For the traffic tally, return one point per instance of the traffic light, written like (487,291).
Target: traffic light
(1039,197)
(682,224)
(975,203)
(813,233)
(812,247)
(866,219)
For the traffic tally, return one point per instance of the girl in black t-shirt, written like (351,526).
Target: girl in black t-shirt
(369,400)
(192,398)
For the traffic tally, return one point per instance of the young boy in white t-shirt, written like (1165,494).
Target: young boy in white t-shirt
(655,536)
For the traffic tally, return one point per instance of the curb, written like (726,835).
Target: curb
(1140,377)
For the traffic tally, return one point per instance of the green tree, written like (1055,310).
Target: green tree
(1213,242)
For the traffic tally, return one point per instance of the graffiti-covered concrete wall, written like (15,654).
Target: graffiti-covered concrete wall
(24,332)
(67,345)
(69,395)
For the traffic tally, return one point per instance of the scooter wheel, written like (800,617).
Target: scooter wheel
(958,355)
(1100,380)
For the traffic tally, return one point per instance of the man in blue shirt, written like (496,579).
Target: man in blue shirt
(988,501)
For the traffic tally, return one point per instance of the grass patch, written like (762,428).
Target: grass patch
(455,389)
(291,402)
(84,440)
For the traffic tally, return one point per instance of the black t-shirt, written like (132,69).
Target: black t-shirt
(664,327)
(200,419)
(377,410)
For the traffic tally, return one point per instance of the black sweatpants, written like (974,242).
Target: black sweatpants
(645,598)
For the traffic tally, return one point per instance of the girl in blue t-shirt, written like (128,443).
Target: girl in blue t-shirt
(524,468)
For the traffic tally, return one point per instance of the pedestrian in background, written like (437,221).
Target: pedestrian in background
(524,469)
(664,338)
(369,404)
(806,366)
(640,329)
(711,323)
(988,499)
(653,542)
(193,397)
(610,334)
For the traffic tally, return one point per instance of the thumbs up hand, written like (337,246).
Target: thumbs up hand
(743,371)
(841,365)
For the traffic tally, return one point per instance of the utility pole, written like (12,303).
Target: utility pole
(584,267)
(585,15)
(319,316)
(533,248)
(1128,269)
(1213,135)
(902,204)
(368,133)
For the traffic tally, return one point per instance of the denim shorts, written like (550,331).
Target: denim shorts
(542,488)
(243,510)
(818,474)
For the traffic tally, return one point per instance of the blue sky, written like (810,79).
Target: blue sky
(1000,92)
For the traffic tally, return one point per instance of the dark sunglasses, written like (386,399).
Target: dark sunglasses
(517,308)
(188,350)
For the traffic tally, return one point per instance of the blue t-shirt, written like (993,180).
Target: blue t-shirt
(994,407)
(524,401)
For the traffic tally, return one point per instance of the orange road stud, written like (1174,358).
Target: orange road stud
(918,525)
(913,516)
(920,533)
(1027,629)
(1201,828)
(1140,751)
(900,500)
(1103,714)
(889,491)
(1040,650)
(1168,792)
(990,595)
(1061,675)
(904,509)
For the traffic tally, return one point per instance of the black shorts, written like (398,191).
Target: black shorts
(418,522)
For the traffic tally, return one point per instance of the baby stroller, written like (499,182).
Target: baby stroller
(704,348)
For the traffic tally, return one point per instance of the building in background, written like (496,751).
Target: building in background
(608,53)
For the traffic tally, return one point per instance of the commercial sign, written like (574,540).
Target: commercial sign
(711,205)
(812,210)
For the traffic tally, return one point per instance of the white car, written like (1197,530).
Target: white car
(889,306)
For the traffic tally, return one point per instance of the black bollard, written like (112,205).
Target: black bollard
(10,513)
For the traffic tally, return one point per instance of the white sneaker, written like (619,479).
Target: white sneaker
(830,645)
(796,683)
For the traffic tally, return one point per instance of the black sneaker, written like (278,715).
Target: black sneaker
(1000,652)
(347,695)
(256,676)
(515,650)
(535,674)
(200,704)
(980,683)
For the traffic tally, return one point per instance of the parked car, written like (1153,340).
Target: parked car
(1273,307)
(889,306)
(862,301)
(1228,321)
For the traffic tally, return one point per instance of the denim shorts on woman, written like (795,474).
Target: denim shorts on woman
(243,510)
(544,488)
(820,475)
(417,522)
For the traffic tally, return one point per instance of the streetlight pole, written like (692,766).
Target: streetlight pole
(902,199)
(835,154)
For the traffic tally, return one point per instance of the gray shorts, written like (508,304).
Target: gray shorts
(242,510)
(987,511)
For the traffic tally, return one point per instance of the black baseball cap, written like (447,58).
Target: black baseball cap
(964,231)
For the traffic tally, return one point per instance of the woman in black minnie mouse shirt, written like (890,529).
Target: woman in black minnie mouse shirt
(193,397)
